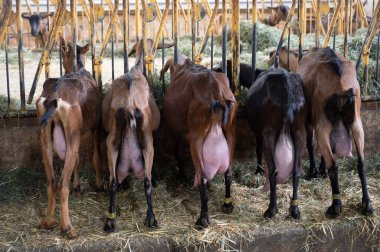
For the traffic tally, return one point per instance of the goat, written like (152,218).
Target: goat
(278,14)
(38,27)
(283,58)
(280,136)
(69,112)
(130,115)
(332,93)
(200,110)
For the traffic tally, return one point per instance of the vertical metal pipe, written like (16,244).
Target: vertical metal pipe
(193,27)
(163,64)
(175,30)
(73,9)
(254,38)
(377,57)
(334,40)
(224,44)
(288,61)
(6,45)
(102,24)
(317,19)
(235,38)
(247,9)
(60,57)
(48,12)
(112,52)
(300,29)
(212,50)
(345,45)
(143,35)
(137,17)
(350,15)
(20,55)
(125,36)
(92,37)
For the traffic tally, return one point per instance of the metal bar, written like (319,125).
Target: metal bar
(60,58)
(350,21)
(315,7)
(288,60)
(345,44)
(332,24)
(163,64)
(235,38)
(20,54)
(254,38)
(212,50)
(160,31)
(175,30)
(112,54)
(224,31)
(193,31)
(377,57)
(300,28)
(137,19)
(6,45)
(73,9)
(334,39)
(92,36)
(125,36)
(317,19)
(159,15)
(247,9)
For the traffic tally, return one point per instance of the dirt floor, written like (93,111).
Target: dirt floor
(23,201)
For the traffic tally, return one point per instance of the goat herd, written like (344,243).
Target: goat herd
(284,110)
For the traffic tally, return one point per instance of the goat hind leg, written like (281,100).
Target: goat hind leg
(358,134)
(97,162)
(228,207)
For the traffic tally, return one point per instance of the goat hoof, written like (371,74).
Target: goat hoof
(150,222)
(270,213)
(334,210)
(76,191)
(69,232)
(227,208)
(295,212)
(109,226)
(202,222)
(47,224)
(367,209)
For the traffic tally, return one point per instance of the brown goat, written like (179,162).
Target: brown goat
(332,93)
(130,115)
(69,112)
(38,27)
(200,110)
(283,58)
(278,14)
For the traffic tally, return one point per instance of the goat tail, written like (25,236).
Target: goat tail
(50,108)
(225,108)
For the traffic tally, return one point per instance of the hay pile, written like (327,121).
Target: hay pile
(23,201)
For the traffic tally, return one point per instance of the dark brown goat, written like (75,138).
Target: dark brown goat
(200,110)
(333,96)
(130,115)
(280,136)
(278,14)
(69,112)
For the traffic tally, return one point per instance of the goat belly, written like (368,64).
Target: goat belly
(215,153)
(130,158)
(59,141)
(340,140)
(283,160)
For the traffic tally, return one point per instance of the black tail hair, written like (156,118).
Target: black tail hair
(50,107)
(333,60)
(217,105)
(341,106)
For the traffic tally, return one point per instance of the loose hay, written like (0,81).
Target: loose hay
(23,202)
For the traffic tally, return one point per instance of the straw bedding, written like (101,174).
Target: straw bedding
(23,202)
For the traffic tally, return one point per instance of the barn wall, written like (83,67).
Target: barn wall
(20,145)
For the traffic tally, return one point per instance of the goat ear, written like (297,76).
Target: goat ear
(165,45)
(133,50)
(47,15)
(25,16)
(84,49)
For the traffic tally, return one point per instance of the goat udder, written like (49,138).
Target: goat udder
(215,153)
(283,160)
(59,141)
(130,157)
(340,141)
